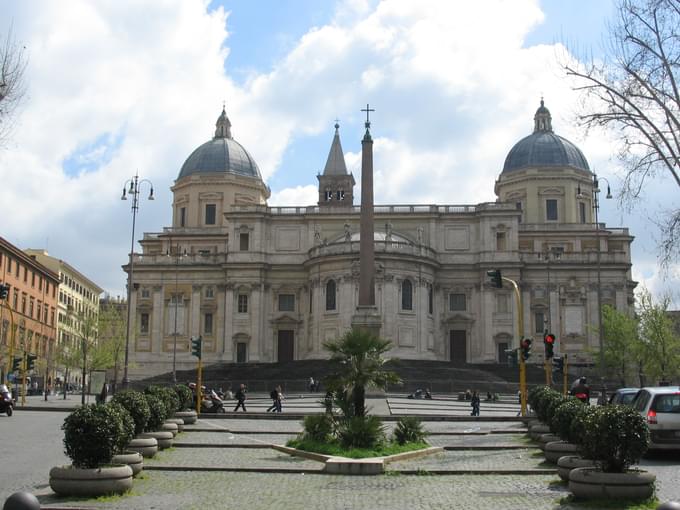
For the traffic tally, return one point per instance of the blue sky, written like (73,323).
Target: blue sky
(126,86)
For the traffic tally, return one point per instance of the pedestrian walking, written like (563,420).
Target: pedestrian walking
(475,402)
(241,398)
(279,399)
(274,395)
(312,384)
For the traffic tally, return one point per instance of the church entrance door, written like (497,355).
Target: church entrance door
(457,346)
(286,345)
(502,355)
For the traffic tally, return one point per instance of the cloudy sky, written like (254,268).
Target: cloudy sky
(115,87)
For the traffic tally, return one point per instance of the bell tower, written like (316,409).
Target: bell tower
(336,185)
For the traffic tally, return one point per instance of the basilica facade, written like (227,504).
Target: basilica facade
(269,284)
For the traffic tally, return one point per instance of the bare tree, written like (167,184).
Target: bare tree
(633,91)
(12,87)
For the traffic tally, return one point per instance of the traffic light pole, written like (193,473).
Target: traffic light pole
(24,369)
(565,376)
(548,372)
(520,335)
(199,396)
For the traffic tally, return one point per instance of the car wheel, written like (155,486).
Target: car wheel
(9,411)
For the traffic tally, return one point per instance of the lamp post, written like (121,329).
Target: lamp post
(176,301)
(596,207)
(132,187)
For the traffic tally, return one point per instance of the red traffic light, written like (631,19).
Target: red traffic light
(549,338)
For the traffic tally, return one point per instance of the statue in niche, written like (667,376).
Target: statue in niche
(348,233)
(388,231)
(317,238)
(419,234)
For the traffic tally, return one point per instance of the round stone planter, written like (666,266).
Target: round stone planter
(533,423)
(545,439)
(177,421)
(568,462)
(163,437)
(110,479)
(189,417)
(132,459)
(556,449)
(170,427)
(537,431)
(590,483)
(147,446)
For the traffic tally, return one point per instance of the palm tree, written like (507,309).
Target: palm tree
(359,360)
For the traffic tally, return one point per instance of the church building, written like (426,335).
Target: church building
(269,284)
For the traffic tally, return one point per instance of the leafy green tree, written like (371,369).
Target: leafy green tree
(621,342)
(661,342)
(360,364)
(110,347)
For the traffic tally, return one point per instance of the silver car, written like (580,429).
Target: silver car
(661,407)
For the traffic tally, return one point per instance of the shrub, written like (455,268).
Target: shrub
(409,429)
(543,403)
(617,436)
(135,404)
(361,432)
(563,416)
(534,394)
(93,434)
(127,426)
(185,396)
(167,396)
(158,412)
(551,406)
(578,428)
(318,427)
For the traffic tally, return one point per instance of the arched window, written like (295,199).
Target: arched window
(330,295)
(406,295)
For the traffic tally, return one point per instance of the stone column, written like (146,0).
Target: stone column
(220,323)
(195,323)
(157,321)
(367,316)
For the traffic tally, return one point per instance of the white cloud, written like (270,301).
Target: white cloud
(453,86)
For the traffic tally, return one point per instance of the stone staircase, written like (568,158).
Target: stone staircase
(439,376)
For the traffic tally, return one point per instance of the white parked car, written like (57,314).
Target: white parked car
(660,405)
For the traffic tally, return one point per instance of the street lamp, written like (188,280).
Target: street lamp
(596,207)
(176,301)
(134,189)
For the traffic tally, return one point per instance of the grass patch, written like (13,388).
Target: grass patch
(617,504)
(334,448)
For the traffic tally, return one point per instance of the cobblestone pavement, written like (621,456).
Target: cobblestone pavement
(233,439)
(486,440)
(477,460)
(265,458)
(256,491)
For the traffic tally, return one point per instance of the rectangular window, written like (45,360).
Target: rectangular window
(210,210)
(286,302)
(500,241)
(17,269)
(40,283)
(31,304)
(144,323)
(208,323)
(539,322)
(23,304)
(182,216)
(582,211)
(430,299)
(242,303)
(457,302)
(311,296)
(32,279)
(145,293)
(502,303)
(244,241)
(551,209)
(209,292)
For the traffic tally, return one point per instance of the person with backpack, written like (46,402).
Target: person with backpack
(241,398)
(274,395)
(279,399)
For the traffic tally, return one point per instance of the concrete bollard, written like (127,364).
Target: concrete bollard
(21,501)
(669,505)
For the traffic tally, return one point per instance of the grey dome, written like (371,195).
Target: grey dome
(222,154)
(543,148)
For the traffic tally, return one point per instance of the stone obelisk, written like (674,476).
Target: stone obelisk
(367,316)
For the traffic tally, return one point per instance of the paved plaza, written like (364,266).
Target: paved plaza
(225,461)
